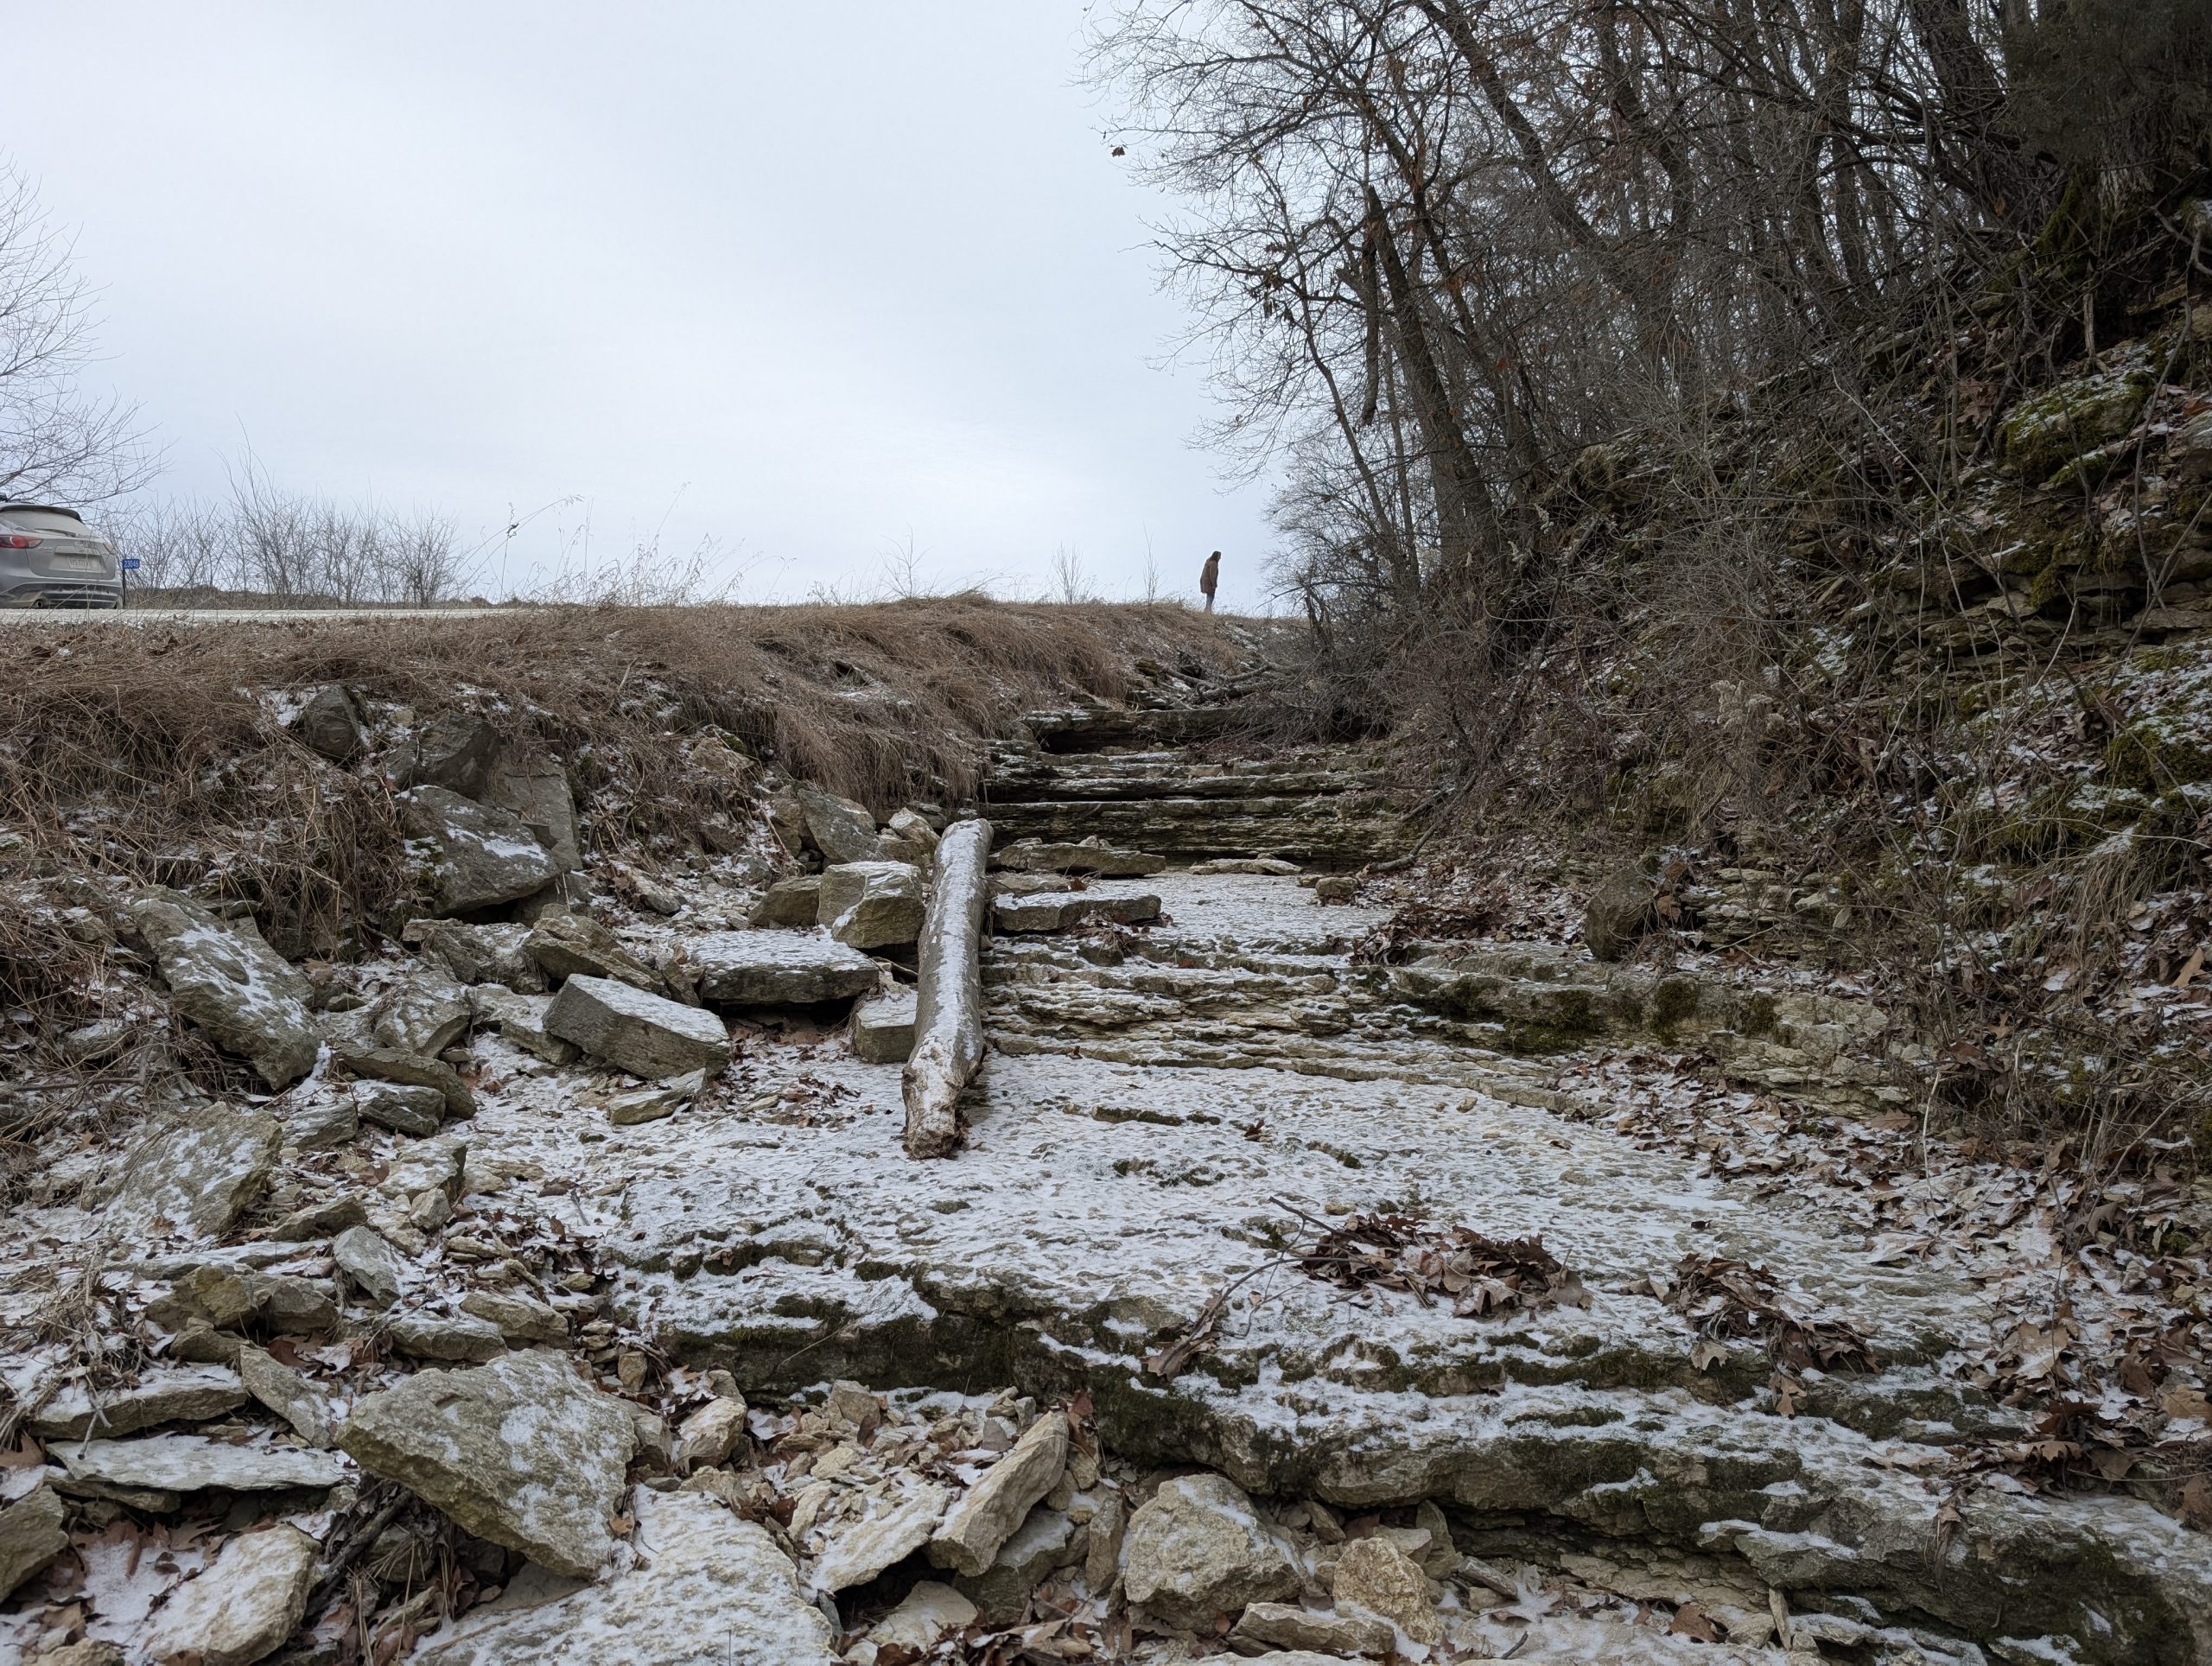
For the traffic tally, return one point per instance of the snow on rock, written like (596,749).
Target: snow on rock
(698,1585)
(900,1523)
(521,1451)
(871,904)
(370,1259)
(883,1027)
(198,1171)
(424,1011)
(1373,1574)
(197,1463)
(31,1535)
(472,855)
(646,1034)
(778,968)
(162,1395)
(225,979)
(1197,1549)
(242,1608)
(985,1518)
(842,830)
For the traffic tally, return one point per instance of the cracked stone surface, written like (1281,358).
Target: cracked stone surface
(1166,1112)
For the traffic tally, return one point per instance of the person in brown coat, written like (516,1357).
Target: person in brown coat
(1210,578)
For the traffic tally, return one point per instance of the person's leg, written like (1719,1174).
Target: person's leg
(1209,602)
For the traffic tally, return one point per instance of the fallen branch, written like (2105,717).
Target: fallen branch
(949,1019)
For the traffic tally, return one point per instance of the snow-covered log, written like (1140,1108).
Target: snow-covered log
(948,1026)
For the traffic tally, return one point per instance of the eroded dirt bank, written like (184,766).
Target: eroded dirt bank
(541,1278)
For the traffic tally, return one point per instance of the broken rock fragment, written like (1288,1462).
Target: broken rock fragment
(927,1614)
(423,1013)
(222,977)
(412,1069)
(871,905)
(199,1170)
(646,1034)
(778,968)
(789,902)
(570,945)
(465,1338)
(652,1104)
(1286,1625)
(329,724)
(472,855)
(31,1535)
(242,1608)
(487,954)
(1199,1549)
(1375,1574)
(520,1451)
(712,1432)
(1056,911)
(196,1463)
(977,1527)
(403,1109)
(895,1525)
(521,1320)
(521,1019)
(187,1394)
(841,829)
(1046,1540)
(883,1027)
(1102,860)
(370,1262)
(287,1393)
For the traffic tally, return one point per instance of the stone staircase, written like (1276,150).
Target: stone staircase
(1141,779)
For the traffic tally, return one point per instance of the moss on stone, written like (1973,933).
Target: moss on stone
(2041,435)
(1673,1003)
(2154,757)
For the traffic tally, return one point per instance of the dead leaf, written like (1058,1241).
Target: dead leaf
(1692,1621)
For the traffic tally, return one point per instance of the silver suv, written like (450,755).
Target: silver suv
(50,558)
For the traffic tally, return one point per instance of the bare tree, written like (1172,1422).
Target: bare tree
(56,441)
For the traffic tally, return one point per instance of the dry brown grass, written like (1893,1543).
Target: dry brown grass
(152,751)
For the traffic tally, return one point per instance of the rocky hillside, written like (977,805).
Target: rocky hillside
(517,1259)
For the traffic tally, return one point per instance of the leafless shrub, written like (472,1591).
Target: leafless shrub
(269,545)
(57,442)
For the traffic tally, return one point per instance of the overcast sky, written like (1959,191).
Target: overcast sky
(812,279)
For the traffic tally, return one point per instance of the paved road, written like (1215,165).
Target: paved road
(74,618)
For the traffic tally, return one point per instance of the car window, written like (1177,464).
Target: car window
(44,520)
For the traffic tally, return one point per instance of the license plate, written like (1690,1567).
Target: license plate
(80,564)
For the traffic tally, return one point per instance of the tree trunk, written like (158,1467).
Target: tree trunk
(949,1024)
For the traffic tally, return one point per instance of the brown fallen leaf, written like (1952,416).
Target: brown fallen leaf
(1692,1621)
